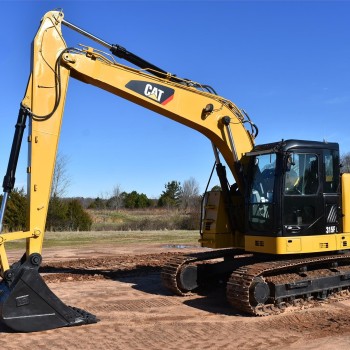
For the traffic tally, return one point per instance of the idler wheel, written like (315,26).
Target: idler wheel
(187,278)
(259,291)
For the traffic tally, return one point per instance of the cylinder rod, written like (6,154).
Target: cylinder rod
(3,208)
(121,52)
(87,34)
(9,178)
(226,121)
(216,154)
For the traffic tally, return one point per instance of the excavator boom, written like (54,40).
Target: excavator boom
(26,303)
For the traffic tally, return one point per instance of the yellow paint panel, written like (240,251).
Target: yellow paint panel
(294,245)
(346,201)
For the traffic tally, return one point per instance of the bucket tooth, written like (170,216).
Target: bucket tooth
(28,305)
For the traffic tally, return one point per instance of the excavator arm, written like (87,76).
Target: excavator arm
(26,302)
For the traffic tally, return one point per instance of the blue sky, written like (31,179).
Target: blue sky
(285,62)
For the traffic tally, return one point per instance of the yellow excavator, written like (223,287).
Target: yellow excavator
(280,235)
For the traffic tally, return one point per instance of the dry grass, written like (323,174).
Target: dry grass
(71,239)
(143,220)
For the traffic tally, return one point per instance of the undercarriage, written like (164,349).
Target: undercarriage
(257,285)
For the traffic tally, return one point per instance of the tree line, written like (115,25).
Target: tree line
(345,163)
(174,195)
(70,214)
(63,214)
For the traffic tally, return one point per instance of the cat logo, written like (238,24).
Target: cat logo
(156,92)
(153,92)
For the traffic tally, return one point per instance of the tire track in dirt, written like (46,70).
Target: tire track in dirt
(137,313)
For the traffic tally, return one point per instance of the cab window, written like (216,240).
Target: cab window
(331,171)
(302,177)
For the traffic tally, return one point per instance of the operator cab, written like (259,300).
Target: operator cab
(293,189)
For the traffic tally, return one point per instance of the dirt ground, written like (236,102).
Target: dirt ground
(121,285)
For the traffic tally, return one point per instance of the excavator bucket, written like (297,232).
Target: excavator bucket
(28,305)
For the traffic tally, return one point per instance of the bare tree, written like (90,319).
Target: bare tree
(61,180)
(116,199)
(190,193)
(345,162)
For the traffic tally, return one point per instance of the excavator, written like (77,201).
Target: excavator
(280,235)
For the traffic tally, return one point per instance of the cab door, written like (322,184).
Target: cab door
(302,192)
